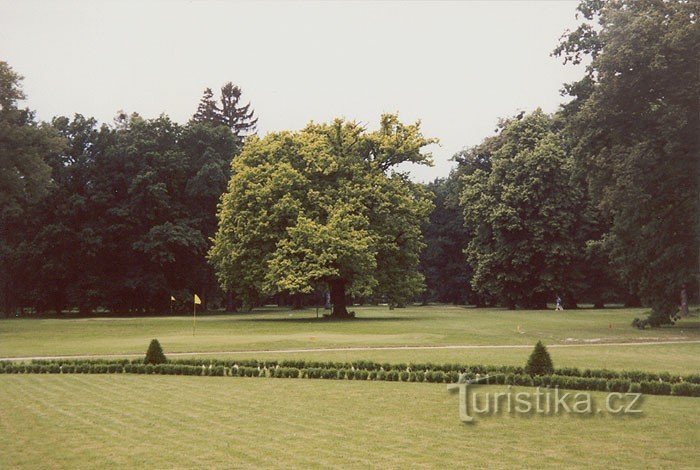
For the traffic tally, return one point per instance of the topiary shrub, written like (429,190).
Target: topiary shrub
(539,363)
(154,355)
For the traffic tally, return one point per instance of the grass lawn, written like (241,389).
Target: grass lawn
(79,421)
(376,326)
(674,358)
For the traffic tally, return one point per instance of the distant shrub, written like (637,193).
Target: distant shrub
(619,385)
(655,388)
(539,363)
(154,355)
(686,389)
(361,374)
(693,378)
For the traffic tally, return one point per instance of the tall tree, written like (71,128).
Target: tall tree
(324,206)
(443,263)
(634,120)
(25,147)
(522,214)
(228,111)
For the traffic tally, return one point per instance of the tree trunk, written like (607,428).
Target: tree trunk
(297,301)
(633,301)
(230,305)
(684,302)
(337,288)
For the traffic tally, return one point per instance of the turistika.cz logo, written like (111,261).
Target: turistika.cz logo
(547,401)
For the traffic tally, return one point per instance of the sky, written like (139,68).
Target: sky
(455,66)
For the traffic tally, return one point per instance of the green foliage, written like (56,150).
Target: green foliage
(443,262)
(227,111)
(318,207)
(539,362)
(25,177)
(127,221)
(521,211)
(154,355)
(24,174)
(686,389)
(655,388)
(633,128)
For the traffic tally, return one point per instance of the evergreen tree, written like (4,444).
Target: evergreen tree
(154,354)
(227,111)
(539,362)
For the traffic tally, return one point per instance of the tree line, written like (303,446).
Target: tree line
(112,216)
(597,202)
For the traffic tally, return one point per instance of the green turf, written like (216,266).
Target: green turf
(88,421)
(674,358)
(376,326)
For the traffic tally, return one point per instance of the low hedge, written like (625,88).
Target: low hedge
(565,378)
(447,368)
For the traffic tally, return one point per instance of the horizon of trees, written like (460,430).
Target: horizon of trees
(595,203)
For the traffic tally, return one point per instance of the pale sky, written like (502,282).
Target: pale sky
(456,66)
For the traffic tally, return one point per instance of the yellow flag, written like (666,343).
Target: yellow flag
(197,300)
(172,298)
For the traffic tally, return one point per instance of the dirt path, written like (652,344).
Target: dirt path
(358,348)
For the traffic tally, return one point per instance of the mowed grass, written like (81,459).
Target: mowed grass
(673,358)
(275,329)
(90,421)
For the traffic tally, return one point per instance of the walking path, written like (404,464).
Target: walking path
(351,348)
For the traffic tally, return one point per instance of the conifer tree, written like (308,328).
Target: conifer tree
(227,111)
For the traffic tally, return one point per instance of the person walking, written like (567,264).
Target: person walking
(559,307)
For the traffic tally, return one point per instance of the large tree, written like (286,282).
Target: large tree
(635,123)
(324,207)
(25,175)
(521,212)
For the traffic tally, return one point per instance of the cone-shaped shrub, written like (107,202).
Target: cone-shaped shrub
(154,355)
(539,363)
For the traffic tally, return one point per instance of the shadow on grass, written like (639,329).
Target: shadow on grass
(330,319)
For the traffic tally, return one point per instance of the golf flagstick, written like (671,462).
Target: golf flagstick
(195,301)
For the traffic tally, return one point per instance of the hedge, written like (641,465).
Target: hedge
(566,378)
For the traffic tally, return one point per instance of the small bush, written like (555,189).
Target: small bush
(618,385)
(655,388)
(686,389)
(539,363)
(154,355)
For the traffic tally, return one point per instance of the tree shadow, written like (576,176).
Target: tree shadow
(330,319)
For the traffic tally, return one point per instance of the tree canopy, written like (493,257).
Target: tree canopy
(633,127)
(24,175)
(522,214)
(324,206)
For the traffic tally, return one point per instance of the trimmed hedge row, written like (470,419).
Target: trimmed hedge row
(632,376)
(216,368)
